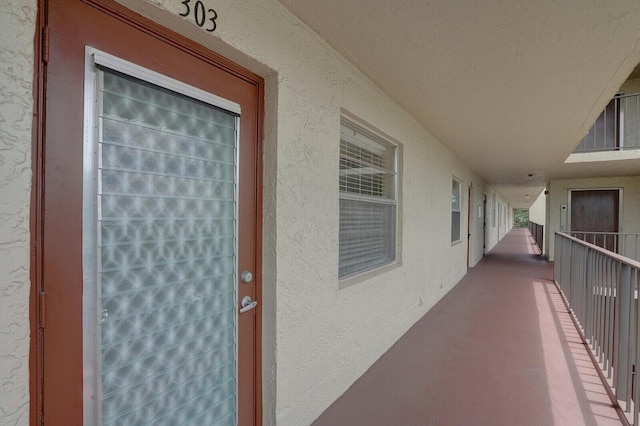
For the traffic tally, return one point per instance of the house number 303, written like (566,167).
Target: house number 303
(203,17)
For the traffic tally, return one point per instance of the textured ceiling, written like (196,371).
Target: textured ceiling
(509,86)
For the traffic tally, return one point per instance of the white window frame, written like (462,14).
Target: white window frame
(367,134)
(494,210)
(458,209)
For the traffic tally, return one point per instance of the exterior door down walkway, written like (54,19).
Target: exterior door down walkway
(499,349)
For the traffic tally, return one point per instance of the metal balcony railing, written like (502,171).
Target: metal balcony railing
(617,128)
(600,289)
(627,245)
(538,234)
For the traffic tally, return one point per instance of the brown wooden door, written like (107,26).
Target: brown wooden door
(469,227)
(170,374)
(484,224)
(595,211)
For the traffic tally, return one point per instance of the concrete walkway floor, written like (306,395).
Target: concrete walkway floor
(499,349)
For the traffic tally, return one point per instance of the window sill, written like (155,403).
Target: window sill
(455,243)
(367,275)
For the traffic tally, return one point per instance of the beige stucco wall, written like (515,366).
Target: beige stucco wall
(630,87)
(17,27)
(537,210)
(559,195)
(538,213)
(318,337)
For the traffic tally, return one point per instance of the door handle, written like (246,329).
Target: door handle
(247,304)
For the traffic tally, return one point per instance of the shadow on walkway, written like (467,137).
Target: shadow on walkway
(499,349)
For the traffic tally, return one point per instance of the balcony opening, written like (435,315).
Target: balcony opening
(618,126)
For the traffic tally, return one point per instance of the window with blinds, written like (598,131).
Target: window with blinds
(455,211)
(368,201)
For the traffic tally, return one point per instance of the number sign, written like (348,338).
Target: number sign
(203,17)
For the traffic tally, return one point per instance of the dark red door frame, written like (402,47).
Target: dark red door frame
(39,264)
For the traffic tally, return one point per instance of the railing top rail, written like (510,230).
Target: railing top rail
(602,233)
(612,255)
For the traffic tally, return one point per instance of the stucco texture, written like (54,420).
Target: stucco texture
(538,214)
(559,195)
(17,27)
(537,211)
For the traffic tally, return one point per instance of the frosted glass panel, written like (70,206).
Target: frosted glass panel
(165,257)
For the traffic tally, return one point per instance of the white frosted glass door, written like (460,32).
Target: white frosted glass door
(165,256)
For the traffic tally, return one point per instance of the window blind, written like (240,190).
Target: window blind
(367,200)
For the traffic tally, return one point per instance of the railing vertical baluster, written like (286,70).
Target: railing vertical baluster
(588,322)
(585,293)
(599,316)
(610,317)
(605,313)
(566,268)
(623,308)
(602,287)
(607,310)
(637,118)
(557,264)
(616,335)
(632,332)
(636,357)
(578,285)
(575,281)
(572,276)
(583,285)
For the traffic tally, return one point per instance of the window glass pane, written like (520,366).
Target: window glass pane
(358,177)
(366,166)
(455,210)
(166,257)
(455,195)
(367,235)
(455,226)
